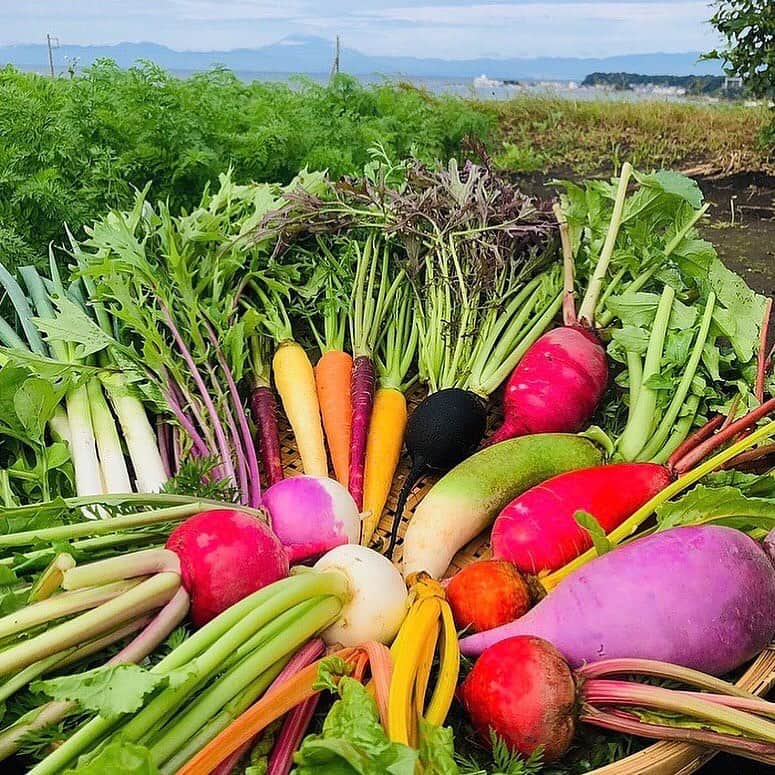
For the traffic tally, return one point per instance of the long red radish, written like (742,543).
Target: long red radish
(333,374)
(560,380)
(538,531)
(523,690)
(557,385)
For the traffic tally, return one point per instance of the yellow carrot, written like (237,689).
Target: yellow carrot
(383,450)
(295,380)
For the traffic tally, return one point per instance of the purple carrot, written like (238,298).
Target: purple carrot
(263,409)
(362,385)
(220,435)
(248,447)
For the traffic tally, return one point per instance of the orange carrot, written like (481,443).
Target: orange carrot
(332,376)
(277,703)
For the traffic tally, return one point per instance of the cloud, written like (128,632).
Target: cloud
(437,28)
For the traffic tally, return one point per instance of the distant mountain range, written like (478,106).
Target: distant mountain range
(304,54)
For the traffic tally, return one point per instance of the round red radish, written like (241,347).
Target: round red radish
(487,594)
(523,690)
(557,385)
(225,555)
(538,530)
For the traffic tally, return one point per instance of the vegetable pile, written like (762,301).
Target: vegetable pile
(170,602)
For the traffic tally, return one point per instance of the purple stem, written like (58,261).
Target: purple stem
(163,442)
(306,655)
(156,632)
(755,705)
(263,408)
(619,721)
(186,424)
(291,734)
(242,469)
(248,447)
(362,385)
(220,435)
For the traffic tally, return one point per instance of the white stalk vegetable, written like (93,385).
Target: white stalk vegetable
(115,476)
(83,449)
(140,439)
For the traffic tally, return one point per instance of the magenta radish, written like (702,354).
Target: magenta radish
(312,514)
(538,530)
(702,597)
(225,555)
(523,690)
(557,385)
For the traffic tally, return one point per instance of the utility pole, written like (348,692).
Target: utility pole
(335,65)
(53,42)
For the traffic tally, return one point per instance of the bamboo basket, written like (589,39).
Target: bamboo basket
(665,758)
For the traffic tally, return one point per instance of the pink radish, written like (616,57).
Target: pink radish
(312,514)
(559,382)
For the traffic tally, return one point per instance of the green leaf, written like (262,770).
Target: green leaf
(599,539)
(110,691)
(72,325)
(720,505)
(34,403)
(353,741)
(330,670)
(437,750)
(674,184)
(118,756)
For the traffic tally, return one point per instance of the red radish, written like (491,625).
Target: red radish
(557,385)
(225,555)
(312,514)
(362,386)
(538,531)
(487,594)
(701,596)
(523,691)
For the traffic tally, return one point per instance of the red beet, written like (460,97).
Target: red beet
(538,530)
(557,385)
(524,691)
(225,555)
(487,594)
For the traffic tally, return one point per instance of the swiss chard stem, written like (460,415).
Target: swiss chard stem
(588,305)
(127,566)
(137,600)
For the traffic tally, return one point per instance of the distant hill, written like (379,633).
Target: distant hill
(304,54)
(693,84)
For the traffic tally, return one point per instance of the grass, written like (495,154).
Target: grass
(588,137)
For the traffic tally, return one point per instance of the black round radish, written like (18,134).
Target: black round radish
(442,431)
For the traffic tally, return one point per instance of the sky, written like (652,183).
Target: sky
(450,29)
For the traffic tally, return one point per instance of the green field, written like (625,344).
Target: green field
(72,148)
